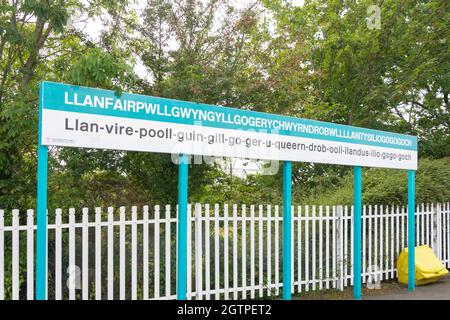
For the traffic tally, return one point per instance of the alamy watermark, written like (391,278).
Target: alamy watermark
(74,277)
(374,277)
(373,19)
(204,147)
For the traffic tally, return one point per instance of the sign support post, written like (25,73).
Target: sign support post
(182,226)
(287,229)
(41,242)
(411,230)
(82,117)
(357,205)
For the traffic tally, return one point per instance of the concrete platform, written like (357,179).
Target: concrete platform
(390,290)
(433,291)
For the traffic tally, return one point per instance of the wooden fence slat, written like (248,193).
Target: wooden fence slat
(447,235)
(30,254)
(375,220)
(235,253)
(277,252)
(418,215)
(207,254)
(381,215)
(168,269)
(216,252)
(260,251)
(110,253)
(189,253)
(252,252)
(292,251)
(306,248)
(299,249)
(320,249)
(225,255)
(134,261)
(15,255)
(156,248)
(335,249)
(98,254)
(198,252)
(392,243)
(386,242)
(269,251)
(72,270)
(122,262)
(58,254)
(145,253)
(85,254)
(352,243)
(244,252)
(397,239)
(364,248)
(313,247)
(347,260)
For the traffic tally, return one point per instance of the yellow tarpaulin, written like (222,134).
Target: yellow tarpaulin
(428,266)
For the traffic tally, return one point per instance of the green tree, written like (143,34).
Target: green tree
(394,78)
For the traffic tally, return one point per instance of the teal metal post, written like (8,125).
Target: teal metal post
(41,241)
(287,229)
(411,230)
(357,204)
(182,226)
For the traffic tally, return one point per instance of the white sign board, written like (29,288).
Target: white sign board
(76,116)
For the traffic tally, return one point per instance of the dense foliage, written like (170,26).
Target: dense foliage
(320,60)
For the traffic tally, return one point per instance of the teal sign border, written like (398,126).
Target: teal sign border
(54,99)
(50,99)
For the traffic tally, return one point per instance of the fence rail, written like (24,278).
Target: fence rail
(235,251)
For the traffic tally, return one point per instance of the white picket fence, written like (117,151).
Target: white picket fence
(235,251)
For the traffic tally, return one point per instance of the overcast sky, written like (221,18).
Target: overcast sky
(93,28)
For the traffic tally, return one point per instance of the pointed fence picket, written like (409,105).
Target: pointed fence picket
(130,252)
